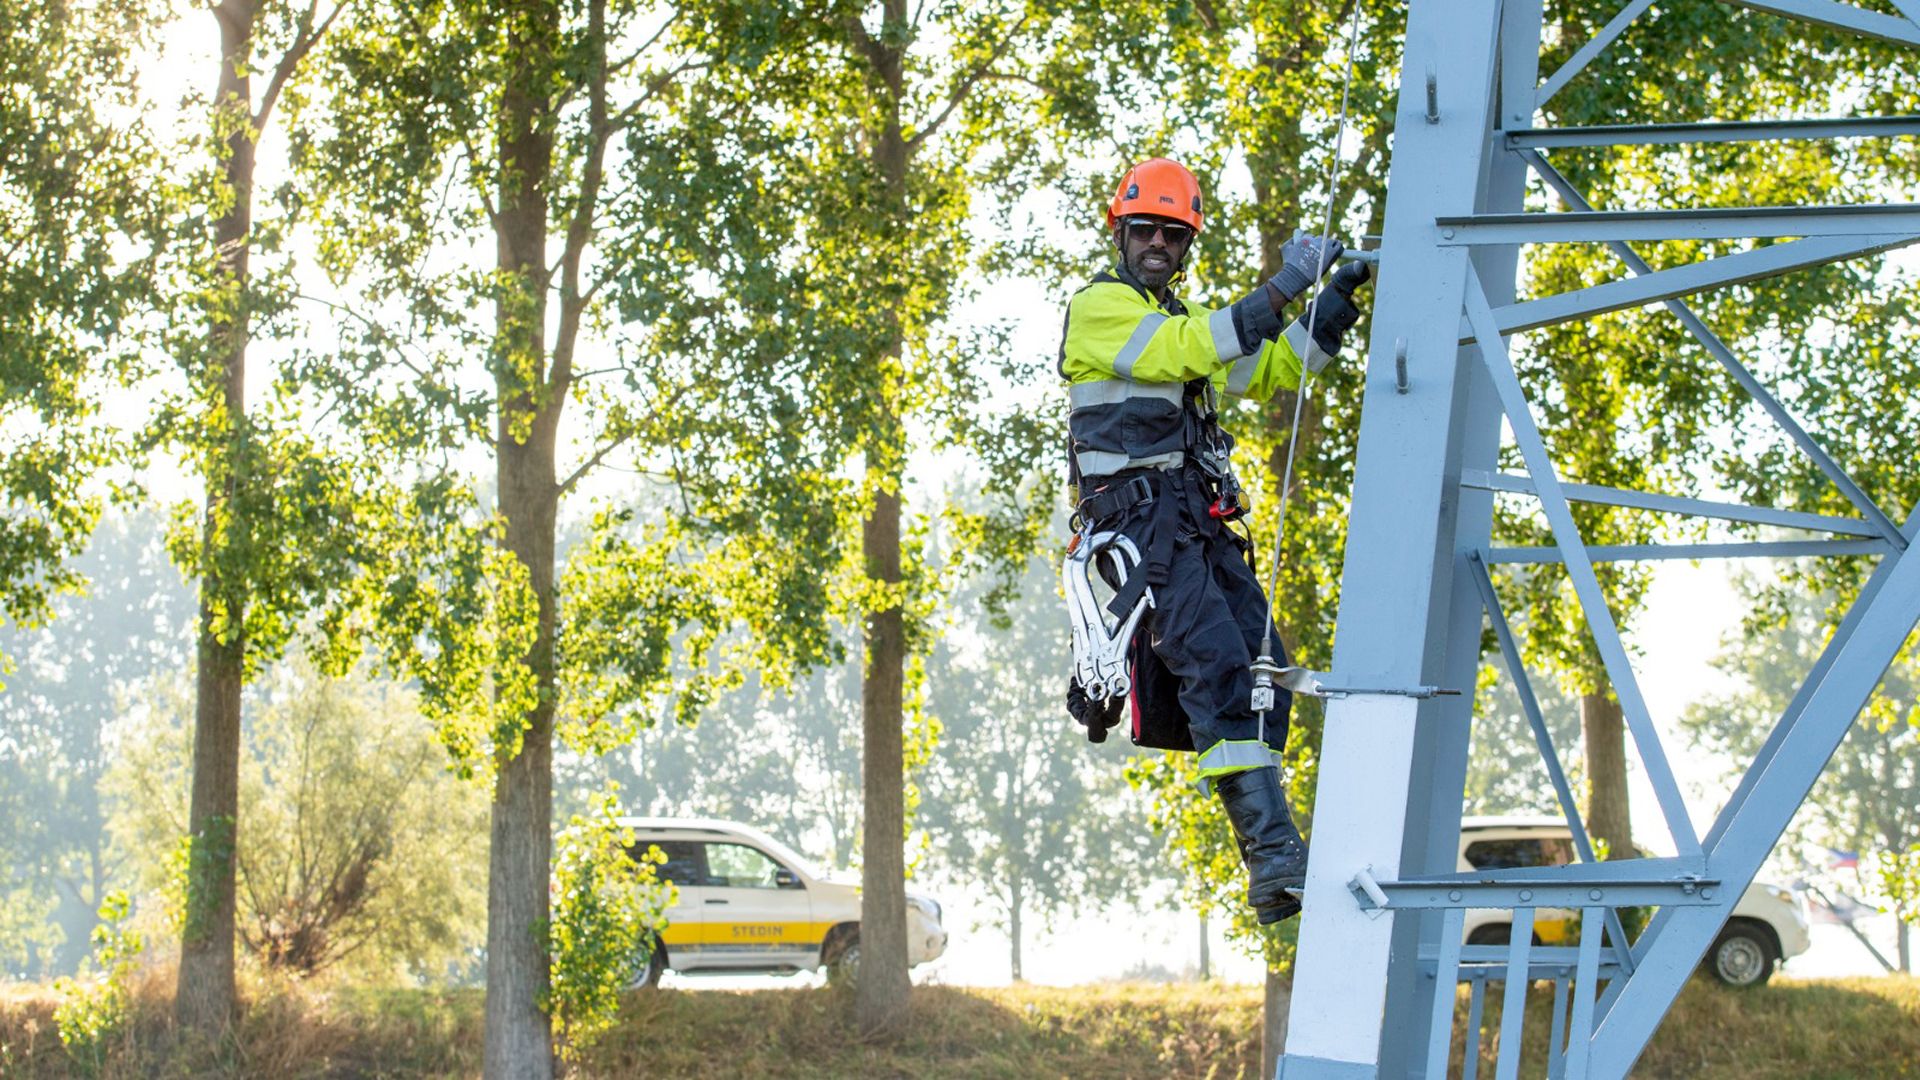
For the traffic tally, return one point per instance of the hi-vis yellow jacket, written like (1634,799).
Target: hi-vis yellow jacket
(1139,371)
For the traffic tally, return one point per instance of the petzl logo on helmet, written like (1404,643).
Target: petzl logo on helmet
(1168,199)
(1133,191)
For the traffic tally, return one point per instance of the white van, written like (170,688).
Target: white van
(750,905)
(1768,925)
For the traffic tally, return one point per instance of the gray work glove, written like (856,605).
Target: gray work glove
(1303,260)
(1333,313)
(1257,316)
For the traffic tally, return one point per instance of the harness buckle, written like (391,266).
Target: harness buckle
(1108,501)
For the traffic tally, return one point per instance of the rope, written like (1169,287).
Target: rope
(1334,168)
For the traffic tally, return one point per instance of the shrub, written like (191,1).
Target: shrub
(357,850)
(608,910)
(95,1006)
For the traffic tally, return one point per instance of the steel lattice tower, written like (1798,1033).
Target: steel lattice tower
(1380,949)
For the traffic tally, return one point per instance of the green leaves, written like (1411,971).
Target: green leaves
(81,209)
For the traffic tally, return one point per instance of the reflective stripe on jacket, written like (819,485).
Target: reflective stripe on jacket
(1128,359)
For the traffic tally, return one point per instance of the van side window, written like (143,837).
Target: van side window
(741,867)
(686,860)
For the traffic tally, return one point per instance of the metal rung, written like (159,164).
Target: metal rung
(1568,892)
(1595,226)
(1844,127)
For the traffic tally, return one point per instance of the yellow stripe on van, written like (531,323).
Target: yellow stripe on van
(746,932)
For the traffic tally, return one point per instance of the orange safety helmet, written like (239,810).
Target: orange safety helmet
(1157,186)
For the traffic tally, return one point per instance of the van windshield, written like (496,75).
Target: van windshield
(787,855)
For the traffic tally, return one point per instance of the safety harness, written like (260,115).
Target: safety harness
(1103,634)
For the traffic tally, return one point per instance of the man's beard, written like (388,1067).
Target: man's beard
(1154,280)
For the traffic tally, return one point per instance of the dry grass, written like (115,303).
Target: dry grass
(1817,1029)
(286,1031)
(1856,1029)
(1124,1030)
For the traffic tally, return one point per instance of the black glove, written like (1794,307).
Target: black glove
(1333,313)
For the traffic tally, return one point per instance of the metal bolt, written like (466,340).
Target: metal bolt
(1526,895)
(1454,895)
(1446,234)
(1593,894)
(1706,894)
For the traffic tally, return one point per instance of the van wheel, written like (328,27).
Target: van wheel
(844,968)
(1742,956)
(649,976)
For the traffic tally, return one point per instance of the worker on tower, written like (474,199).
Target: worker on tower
(1151,465)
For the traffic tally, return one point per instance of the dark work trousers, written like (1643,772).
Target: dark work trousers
(1207,618)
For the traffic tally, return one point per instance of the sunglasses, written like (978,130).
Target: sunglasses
(1141,230)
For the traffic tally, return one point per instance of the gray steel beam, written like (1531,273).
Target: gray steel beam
(1676,504)
(1773,549)
(1666,867)
(1843,127)
(1590,51)
(1841,17)
(1707,274)
(1593,603)
(1568,891)
(1513,1007)
(1732,365)
(1396,590)
(1718,223)
(1443,738)
(1679,936)
(1580,1024)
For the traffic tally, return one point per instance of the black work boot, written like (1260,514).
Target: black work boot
(1275,855)
(1281,912)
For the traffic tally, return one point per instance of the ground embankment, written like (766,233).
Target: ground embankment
(1852,1029)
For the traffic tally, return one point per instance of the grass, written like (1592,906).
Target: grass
(1856,1029)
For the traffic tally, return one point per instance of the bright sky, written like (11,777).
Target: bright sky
(1690,609)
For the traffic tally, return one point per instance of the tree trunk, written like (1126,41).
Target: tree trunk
(1013,926)
(1603,728)
(519,1034)
(1273,1021)
(519,1040)
(1903,941)
(880,997)
(204,992)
